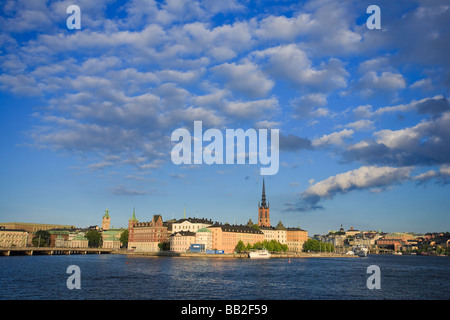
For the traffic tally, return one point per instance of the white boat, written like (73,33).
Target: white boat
(361,251)
(259,254)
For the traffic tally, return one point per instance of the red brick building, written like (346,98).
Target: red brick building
(145,236)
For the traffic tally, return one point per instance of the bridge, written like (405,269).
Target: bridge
(29,251)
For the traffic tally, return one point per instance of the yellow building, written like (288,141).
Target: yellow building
(295,238)
(226,237)
(13,237)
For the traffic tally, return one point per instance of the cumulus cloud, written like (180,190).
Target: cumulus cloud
(244,78)
(434,106)
(335,138)
(310,106)
(363,178)
(423,144)
(441,176)
(291,63)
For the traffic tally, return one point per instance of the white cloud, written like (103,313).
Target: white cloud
(244,78)
(335,138)
(366,177)
(291,63)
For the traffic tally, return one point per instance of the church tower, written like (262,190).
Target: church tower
(263,210)
(106,220)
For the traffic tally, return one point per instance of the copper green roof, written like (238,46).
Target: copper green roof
(133,218)
(80,237)
(111,238)
(204,230)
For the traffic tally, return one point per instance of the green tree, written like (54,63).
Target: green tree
(311,245)
(41,239)
(258,245)
(124,238)
(164,246)
(240,247)
(95,238)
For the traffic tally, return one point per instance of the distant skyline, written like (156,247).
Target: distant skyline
(87,115)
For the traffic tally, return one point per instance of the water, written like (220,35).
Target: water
(122,277)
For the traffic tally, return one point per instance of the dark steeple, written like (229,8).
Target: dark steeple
(263,198)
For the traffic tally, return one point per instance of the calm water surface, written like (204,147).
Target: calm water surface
(122,277)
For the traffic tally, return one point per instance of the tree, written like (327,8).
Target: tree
(240,247)
(124,238)
(317,246)
(164,246)
(95,238)
(41,239)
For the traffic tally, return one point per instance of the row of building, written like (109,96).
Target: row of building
(21,234)
(377,241)
(182,234)
(148,236)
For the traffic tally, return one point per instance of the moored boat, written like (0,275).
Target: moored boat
(361,251)
(259,254)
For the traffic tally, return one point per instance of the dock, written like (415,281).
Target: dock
(30,251)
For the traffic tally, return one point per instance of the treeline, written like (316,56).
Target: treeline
(272,246)
(317,246)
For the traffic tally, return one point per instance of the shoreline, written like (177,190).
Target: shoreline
(233,255)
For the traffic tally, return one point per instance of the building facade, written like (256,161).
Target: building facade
(295,238)
(13,237)
(145,236)
(204,236)
(278,233)
(226,237)
(190,224)
(181,241)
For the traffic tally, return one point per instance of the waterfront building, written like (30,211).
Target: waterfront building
(79,241)
(181,241)
(394,241)
(13,237)
(31,228)
(190,224)
(60,242)
(263,210)
(278,233)
(57,233)
(111,242)
(295,238)
(226,237)
(145,236)
(204,236)
(106,221)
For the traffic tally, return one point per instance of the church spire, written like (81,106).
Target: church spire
(263,198)
(264,210)
(133,218)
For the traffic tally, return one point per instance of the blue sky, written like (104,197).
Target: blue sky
(86,115)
